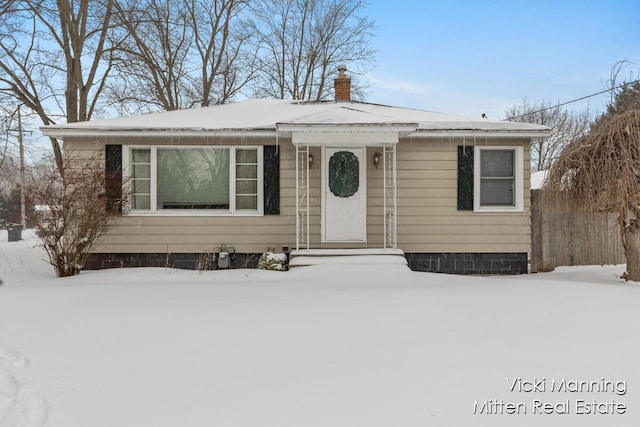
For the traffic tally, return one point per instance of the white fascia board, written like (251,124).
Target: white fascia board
(432,133)
(97,132)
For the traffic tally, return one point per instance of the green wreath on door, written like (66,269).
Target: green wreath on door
(344,174)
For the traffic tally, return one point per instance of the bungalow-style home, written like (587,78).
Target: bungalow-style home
(448,191)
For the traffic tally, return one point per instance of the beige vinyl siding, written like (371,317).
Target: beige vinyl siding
(194,234)
(428,219)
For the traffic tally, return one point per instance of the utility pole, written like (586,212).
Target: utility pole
(23,212)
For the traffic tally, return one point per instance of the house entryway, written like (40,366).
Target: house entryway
(333,197)
(338,218)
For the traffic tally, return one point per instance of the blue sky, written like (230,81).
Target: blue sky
(474,57)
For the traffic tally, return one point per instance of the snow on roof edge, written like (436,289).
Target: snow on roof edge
(265,115)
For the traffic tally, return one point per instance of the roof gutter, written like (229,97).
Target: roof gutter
(402,130)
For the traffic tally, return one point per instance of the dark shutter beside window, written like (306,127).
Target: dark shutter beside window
(271,163)
(113,177)
(465,178)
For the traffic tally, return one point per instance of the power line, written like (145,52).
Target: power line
(573,100)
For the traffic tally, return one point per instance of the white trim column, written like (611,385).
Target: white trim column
(302,197)
(389,195)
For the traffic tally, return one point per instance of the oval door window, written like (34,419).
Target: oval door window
(344,174)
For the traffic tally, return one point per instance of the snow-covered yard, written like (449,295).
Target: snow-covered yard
(344,345)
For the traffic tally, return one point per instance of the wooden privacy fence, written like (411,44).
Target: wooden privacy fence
(562,238)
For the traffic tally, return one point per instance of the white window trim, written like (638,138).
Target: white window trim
(519,180)
(153,211)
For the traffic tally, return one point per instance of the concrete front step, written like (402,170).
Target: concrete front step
(306,257)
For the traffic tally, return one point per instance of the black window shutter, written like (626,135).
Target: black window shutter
(271,164)
(113,177)
(465,178)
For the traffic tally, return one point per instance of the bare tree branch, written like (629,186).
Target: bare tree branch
(178,54)
(34,73)
(566,126)
(303,41)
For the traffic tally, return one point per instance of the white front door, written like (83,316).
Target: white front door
(344,208)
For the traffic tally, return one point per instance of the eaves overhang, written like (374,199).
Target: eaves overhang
(493,133)
(63,132)
(287,130)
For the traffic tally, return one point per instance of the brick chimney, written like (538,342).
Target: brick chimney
(342,85)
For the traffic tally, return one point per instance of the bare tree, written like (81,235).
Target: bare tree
(54,57)
(152,62)
(227,63)
(566,126)
(6,126)
(302,41)
(178,54)
(600,173)
(76,212)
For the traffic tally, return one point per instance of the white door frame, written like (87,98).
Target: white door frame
(361,153)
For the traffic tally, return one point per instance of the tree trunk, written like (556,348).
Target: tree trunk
(57,154)
(632,252)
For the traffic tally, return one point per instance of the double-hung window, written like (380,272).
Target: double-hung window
(195,180)
(498,181)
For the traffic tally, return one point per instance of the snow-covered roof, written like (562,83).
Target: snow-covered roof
(268,116)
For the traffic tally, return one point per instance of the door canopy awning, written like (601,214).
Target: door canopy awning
(351,136)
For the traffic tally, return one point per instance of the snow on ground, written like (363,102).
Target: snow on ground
(323,345)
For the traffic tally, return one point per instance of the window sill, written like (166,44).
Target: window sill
(509,209)
(189,212)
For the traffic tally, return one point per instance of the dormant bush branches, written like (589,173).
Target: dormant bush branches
(76,211)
